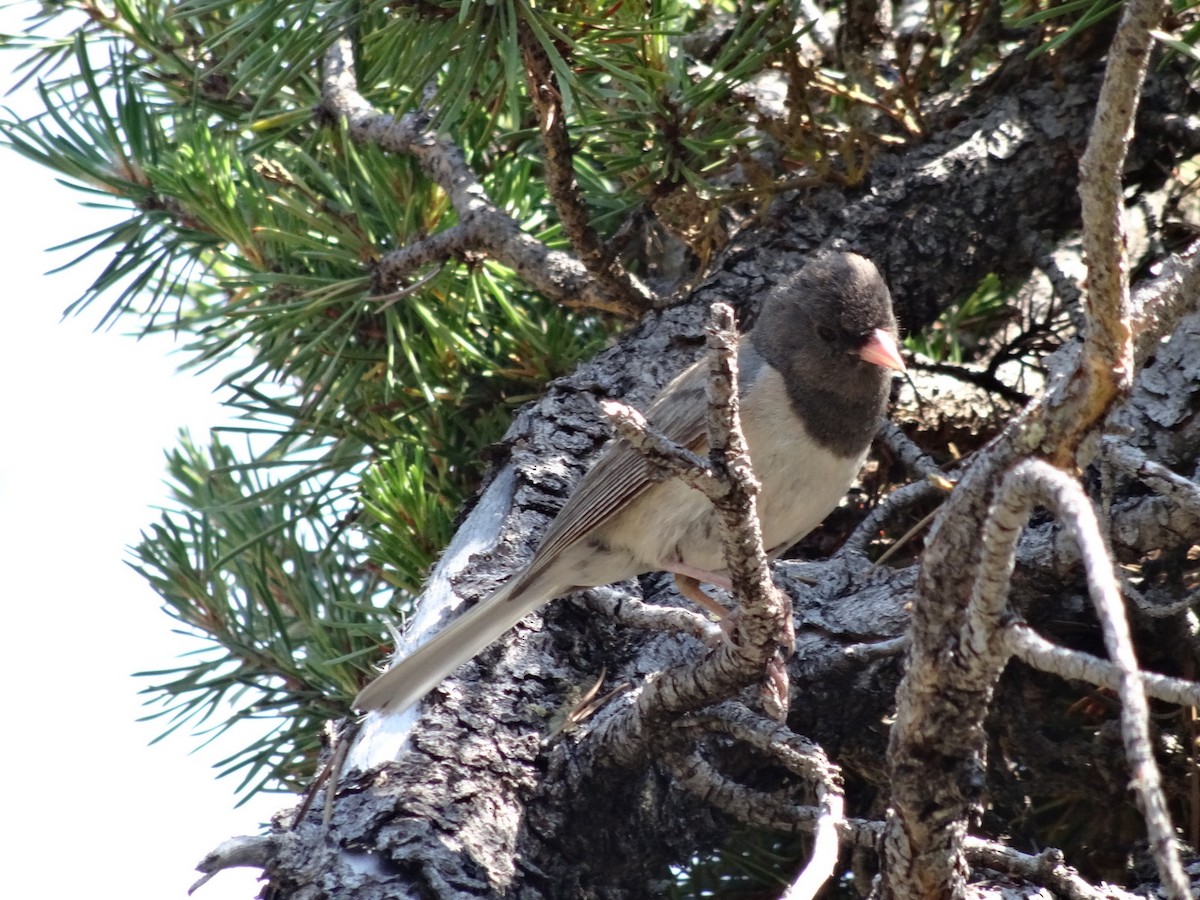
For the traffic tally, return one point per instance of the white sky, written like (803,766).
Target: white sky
(84,421)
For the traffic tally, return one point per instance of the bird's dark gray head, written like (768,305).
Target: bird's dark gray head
(835,303)
(821,328)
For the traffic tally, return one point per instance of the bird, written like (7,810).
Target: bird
(815,372)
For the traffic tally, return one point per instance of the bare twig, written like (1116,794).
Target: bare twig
(1022,642)
(482,226)
(767,613)
(726,477)
(561,184)
(981,648)
(453,243)
(1046,868)
(906,451)
(982,379)
(761,808)
(881,649)
(673,459)
(897,501)
(919,847)
(628,610)
(254,851)
(793,752)
(807,760)
(932,802)
(1156,476)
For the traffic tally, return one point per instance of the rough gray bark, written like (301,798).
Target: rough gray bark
(478,805)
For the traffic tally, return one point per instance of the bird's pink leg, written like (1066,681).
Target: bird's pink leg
(689,586)
(698,575)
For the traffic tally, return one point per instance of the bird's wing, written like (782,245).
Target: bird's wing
(622,474)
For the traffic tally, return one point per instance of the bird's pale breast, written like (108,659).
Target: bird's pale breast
(801,483)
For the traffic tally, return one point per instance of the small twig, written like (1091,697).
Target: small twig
(583,709)
(1108,348)
(1148,606)
(900,499)
(1181,491)
(865,652)
(341,737)
(343,741)
(1046,868)
(662,452)
(390,298)
(254,851)
(908,536)
(726,477)
(765,809)
(981,379)
(989,587)
(770,810)
(908,453)
(1025,644)
(395,265)
(759,808)
(765,615)
(1101,187)
(628,610)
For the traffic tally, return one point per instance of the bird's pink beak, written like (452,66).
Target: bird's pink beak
(881,349)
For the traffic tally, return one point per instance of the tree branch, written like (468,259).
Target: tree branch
(482,226)
(1046,868)
(1022,642)
(1101,189)
(631,612)
(1036,482)
(561,184)
(909,455)
(980,652)
(1108,348)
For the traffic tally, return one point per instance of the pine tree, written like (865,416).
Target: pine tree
(431,235)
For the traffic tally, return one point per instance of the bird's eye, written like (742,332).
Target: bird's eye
(827,334)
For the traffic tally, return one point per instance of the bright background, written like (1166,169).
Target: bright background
(85,419)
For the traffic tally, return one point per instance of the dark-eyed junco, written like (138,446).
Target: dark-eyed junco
(813,389)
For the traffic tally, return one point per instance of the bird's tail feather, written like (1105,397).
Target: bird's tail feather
(418,673)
